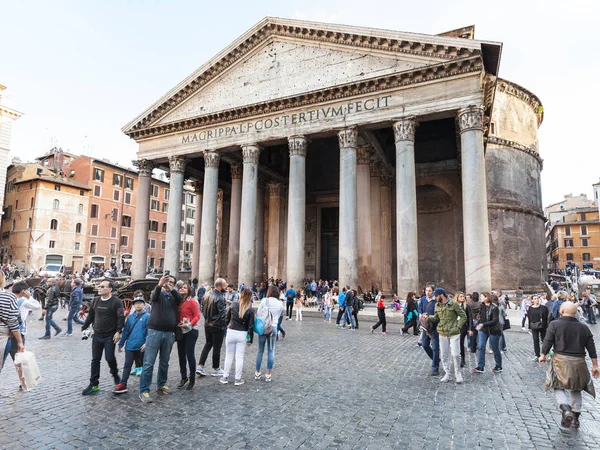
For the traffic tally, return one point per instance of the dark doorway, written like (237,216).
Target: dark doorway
(330,239)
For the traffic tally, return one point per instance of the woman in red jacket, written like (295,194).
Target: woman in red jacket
(189,315)
(380,315)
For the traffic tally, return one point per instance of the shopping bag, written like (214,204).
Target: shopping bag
(27,370)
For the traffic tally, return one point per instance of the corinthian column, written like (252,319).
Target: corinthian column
(348,253)
(208,236)
(233,252)
(176,175)
(142,216)
(274,227)
(478,275)
(375,227)
(259,266)
(363,194)
(197,224)
(296,211)
(250,153)
(407,243)
(386,232)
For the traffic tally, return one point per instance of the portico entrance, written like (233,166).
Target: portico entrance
(330,237)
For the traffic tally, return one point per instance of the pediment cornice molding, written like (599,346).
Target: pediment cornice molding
(365,38)
(447,69)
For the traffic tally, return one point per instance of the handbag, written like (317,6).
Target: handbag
(536,326)
(506,325)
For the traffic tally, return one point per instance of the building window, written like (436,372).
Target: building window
(191,199)
(54,224)
(16,204)
(115,214)
(55,204)
(128,198)
(569,256)
(80,209)
(31,203)
(586,257)
(8,212)
(165,207)
(113,249)
(128,183)
(95,211)
(92,248)
(190,213)
(14,225)
(154,191)
(51,244)
(153,225)
(163,245)
(97,191)
(568,242)
(77,245)
(113,232)
(151,243)
(117,180)
(82,193)
(78,228)
(189,229)
(94,231)
(161,262)
(116,195)
(124,241)
(584,242)
(29,223)
(584,230)
(126,221)
(582,216)
(154,205)
(98,175)
(57,187)
(164,227)
(167,194)
(189,247)
(567,231)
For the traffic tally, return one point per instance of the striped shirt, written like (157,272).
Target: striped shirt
(9,311)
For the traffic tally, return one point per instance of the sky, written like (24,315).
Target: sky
(80,70)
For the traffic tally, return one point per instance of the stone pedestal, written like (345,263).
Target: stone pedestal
(363,198)
(142,217)
(407,242)
(176,177)
(208,236)
(233,252)
(474,196)
(348,254)
(274,227)
(197,228)
(260,232)
(375,203)
(250,153)
(296,211)
(385,191)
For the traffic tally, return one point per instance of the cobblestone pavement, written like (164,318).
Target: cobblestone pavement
(331,389)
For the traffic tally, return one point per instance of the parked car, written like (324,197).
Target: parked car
(52,270)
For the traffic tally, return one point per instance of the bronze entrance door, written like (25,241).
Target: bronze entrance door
(330,237)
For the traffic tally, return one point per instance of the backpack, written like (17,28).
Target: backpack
(264,319)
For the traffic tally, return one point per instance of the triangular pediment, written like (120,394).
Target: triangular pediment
(280,58)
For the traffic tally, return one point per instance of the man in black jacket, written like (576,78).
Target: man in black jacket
(52,301)
(568,372)
(214,310)
(108,318)
(163,321)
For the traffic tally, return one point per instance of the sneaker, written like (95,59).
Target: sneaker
(239,382)
(535,358)
(459,378)
(504,350)
(57,332)
(217,373)
(120,389)
(268,378)
(257,376)
(44,338)
(523,328)
(138,372)
(90,390)
(133,371)
(182,383)
(434,373)
(200,371)
(66,335)
(497,369)
(372,329)
(145,397)
(445,379)
(164,390)
(384,332)
(477,370)
(223,380)
(490,351)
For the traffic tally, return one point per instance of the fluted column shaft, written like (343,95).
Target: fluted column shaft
(176,177)
(233,251)
(197,229)
(478,275)
(208,236)
(348,253)
(296,224)
(363,198)
(260,232)
(250,153)
(142,217)
(407,243)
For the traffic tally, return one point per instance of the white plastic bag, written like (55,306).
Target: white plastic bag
(27,370)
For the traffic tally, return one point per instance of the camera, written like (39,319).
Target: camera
(86,334)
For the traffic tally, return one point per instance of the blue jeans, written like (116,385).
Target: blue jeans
(270,340)
(431,345)
(348,319)
(49,322)
(279,328)
(590,315)
(73,312)
(156,341)
(327,313)
(502,342)
(482,339)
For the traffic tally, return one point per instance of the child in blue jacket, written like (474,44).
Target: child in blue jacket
(134,339)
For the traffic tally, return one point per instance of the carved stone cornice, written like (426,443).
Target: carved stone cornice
(250,153)
(340,92)
(211,159)
(236,171)
(404,129)
(516,146)
(386,180)
(177,164)
(274,189)
(297,145)
(363,155)
(348,137)
(309,32)
(375,168)
(470,118)
(144,167)
(510,88)
(521,209)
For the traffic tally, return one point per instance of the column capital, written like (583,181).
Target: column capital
(348,137)
(144,167)
(177,164)
(375,169)
(386,179)
(236,171)
(297,145)
(363,155)
(470,118)
(404,129)
(274,189)
(211,158)
(250,153)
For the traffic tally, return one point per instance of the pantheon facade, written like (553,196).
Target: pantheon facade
(373,157)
